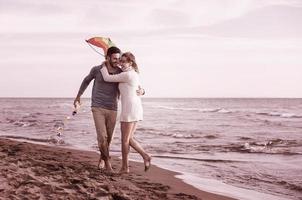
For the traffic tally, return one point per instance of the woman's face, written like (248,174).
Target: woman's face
(124,62)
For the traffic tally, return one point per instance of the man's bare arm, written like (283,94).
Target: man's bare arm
(83,86)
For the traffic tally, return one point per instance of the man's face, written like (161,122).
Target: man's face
(114,60)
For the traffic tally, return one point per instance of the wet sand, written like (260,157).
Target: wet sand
(33,171)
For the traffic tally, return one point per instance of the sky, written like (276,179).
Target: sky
(209,48)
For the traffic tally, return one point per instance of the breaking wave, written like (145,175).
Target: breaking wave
(203,110)
(277,146)
(23,122)
(51,140)
(277,114)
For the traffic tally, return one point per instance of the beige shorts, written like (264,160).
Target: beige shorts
(104,121)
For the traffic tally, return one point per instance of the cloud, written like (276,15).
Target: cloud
(208,43)
(294,3)
(80,16)
(19,7)
(268,22)
(168,18)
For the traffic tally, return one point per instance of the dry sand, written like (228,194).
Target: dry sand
(32,171)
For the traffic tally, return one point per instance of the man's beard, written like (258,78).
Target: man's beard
(112,64)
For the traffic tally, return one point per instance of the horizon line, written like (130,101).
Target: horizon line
(158,97)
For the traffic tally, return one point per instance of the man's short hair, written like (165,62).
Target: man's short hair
(113,50)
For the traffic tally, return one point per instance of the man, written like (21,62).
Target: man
(104,103)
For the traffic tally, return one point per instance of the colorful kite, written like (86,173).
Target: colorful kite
(100,42)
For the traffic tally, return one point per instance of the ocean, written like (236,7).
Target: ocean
(250,149)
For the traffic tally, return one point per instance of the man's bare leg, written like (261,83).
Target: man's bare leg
(105,153)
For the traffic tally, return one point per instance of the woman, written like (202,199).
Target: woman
(132,110)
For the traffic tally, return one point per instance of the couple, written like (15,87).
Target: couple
(110,82)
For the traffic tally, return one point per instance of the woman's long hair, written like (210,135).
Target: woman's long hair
(131,58)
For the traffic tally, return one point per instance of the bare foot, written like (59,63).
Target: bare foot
(147,162)
(109,169)
(108,166)
(124,171)
(108,172)
(101,164)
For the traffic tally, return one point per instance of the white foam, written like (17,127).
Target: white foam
(214,186)
(220,110)
(283,115)
(218,187)
(224,111)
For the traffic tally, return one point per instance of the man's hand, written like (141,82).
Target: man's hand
(140,91)
(76,101)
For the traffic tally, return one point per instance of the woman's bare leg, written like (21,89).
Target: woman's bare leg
(135,145)
(126,128)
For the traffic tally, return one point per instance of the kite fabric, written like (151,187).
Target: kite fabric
(101,42)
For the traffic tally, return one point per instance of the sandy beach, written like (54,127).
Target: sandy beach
(33,171)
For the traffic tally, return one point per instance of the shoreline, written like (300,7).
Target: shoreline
(28,169)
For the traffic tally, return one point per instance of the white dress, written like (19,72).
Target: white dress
(132,109)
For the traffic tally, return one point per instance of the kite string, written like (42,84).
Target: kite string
(95,50)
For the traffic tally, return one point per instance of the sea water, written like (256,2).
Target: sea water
(245,148)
